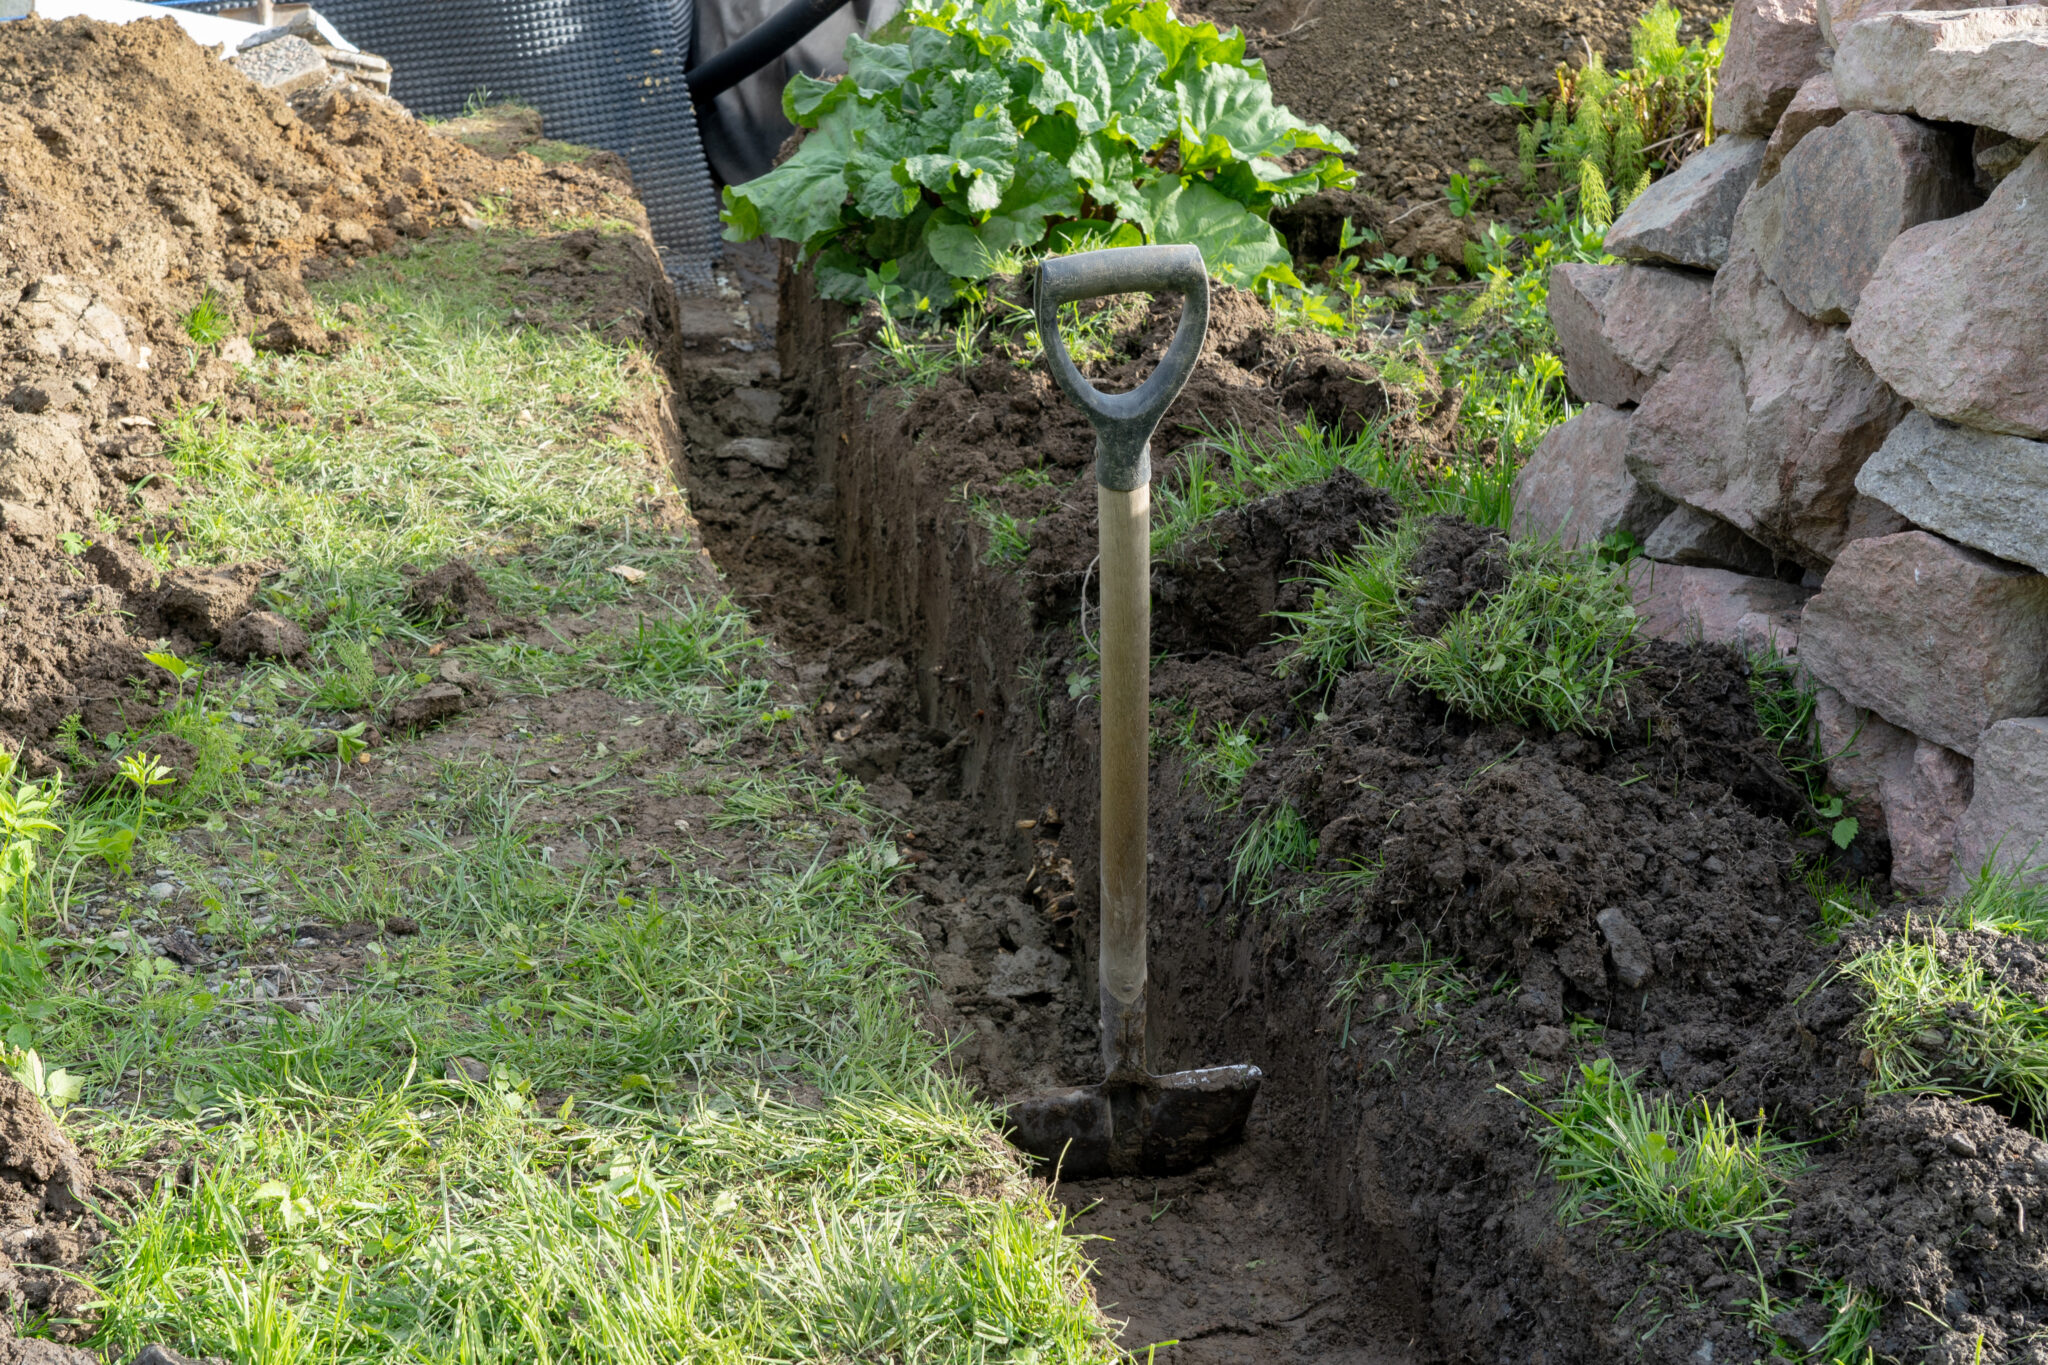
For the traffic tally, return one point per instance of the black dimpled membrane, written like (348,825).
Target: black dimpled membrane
(604,73)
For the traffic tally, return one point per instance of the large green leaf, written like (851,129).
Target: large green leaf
(1240,247)
(1040,191)
(803,199)
(968,131)
(1227,115)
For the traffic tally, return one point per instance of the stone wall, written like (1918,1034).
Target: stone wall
(1816,392)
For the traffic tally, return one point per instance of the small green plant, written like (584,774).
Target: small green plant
(1616,122)
(351,685)
(1426,992)
(181,670)
(1658,1165)
(966,136)
(1783,700)
(26,811)
(1355,612)
(208,323)
(1009,540)
(1277,841)
(1219,762)
(1950,1025)
(53,1085)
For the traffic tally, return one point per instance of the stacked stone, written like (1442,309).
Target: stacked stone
(1816,391)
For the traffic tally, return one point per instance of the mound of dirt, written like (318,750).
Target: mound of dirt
(141,176)
(47,1231)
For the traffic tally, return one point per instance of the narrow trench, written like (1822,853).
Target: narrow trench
(1273,1252)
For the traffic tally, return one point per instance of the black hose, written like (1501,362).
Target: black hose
(778,33)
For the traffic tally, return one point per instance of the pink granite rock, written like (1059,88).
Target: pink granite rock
(2007,824)
(1816,106)
(1861,750)
(1937,639)
(1678,602)
(1619,327)
(1986,67)
(1576,485)
(1774,47)
(1924,803)
(1954,317)
(1816,412)
(1836,15)
(1847,193)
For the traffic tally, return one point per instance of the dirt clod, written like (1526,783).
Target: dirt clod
(453,590)
(262,635)
(431,704)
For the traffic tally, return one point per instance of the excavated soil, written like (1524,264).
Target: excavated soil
(1407,81)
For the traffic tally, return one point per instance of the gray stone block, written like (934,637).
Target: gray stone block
(1987,67)
(1985,490)
(1773,47)
(1690,536)
(1954,317)
(1576,485)
(1686,218)
(1847,192)
(2006,826)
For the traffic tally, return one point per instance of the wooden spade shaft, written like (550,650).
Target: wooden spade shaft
(1125,518)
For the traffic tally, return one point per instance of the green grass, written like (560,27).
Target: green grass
(1276,842)
(1426,994)
(1551,647)
(2003,900)
(1654,1164)
(713,1125)
(207,323)
(1219,760)
(1358,603)
(1951,1027)
(444,437)
(1009,539)
(1783,699)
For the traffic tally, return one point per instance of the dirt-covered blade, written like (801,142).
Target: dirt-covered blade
(1158,1126)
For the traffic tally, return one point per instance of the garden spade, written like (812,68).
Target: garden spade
(1133,1122)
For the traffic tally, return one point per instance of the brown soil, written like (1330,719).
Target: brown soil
(47,1228)
(140,174)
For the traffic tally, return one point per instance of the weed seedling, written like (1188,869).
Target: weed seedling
(208,323)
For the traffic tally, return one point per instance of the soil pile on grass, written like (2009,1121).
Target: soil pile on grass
(47,1232)
(159,211)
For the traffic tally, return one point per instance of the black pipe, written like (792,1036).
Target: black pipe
(778,33)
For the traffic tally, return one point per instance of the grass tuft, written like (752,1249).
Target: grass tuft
(1658,1165)
(1276,842)
(208,323)
(1951,1026)
(1550,647)
(1354,614)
